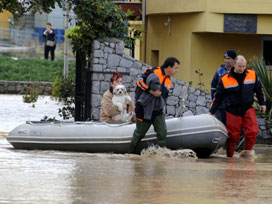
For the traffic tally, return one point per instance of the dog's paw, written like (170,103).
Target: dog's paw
(120,107)
(128,116)
(128,98)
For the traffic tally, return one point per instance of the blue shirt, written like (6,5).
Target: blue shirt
(221,71)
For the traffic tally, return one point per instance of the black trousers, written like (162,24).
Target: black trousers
(220,114)
(50,49)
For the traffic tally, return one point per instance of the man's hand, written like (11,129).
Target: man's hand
(156,93)
(209,113)
(263,108)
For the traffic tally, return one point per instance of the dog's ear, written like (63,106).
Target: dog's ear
(114,92)
(125,91)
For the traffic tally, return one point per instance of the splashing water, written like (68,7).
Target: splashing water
(159,152)
(248,154)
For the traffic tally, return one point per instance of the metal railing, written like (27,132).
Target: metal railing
(14,37)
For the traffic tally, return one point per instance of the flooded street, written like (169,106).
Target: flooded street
(13,111)
(51,177)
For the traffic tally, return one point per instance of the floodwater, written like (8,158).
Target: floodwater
(13,111)
(51,177)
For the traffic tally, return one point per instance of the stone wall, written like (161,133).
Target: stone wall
(108,57)
(184,100)
(20,87)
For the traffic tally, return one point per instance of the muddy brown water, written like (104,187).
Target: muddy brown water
(51,177)
(70,177)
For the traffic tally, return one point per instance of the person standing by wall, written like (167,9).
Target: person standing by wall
(50,41)
(164,72)
(237,88)
(229,57)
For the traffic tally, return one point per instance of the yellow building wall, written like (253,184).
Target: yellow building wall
(195,50)
(174,6)
(136,25)
(174,41)
(214,22)
(217,6)
(197,39)
(264,25)
(208,50)
(4,19)
(239,6)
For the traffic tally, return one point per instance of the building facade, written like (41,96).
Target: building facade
(199,32)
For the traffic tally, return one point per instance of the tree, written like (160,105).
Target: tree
(20,7)
(95,19)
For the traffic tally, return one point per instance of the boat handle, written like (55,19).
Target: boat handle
(216,140)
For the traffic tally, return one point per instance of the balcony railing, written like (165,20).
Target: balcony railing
(133,5)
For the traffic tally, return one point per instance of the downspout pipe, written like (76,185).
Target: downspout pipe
(145,27)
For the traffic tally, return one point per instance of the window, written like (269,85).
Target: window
(266,51)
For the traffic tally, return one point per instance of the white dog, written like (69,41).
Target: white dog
(120,98)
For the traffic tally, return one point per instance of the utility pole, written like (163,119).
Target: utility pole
(65,71)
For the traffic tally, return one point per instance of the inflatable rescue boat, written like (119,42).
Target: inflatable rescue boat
(202,133)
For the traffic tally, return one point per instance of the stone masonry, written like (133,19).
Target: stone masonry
(184,100)
(21,87)
(108,57)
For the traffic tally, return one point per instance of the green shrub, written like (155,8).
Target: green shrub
(266,79)
(31,95)
(64,91)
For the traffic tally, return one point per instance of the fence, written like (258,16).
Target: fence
(14,37)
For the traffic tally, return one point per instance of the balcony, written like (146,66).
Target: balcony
(133,5)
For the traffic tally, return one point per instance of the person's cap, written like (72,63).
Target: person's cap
(230,53)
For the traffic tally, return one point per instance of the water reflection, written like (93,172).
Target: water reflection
(69,177)
(238,180)
(51,177)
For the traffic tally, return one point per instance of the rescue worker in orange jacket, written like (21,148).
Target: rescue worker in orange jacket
(237,88)
(169,68)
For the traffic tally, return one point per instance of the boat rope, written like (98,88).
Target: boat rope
(113,124)
(110,124)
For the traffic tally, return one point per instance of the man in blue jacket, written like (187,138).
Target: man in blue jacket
(229,58)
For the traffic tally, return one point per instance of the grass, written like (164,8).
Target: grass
(30,69)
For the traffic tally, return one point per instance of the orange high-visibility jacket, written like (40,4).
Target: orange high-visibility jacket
(238,97)
(142,86)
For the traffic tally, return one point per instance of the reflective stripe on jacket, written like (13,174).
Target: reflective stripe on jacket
(143,87)
(238,98)
(159,72)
